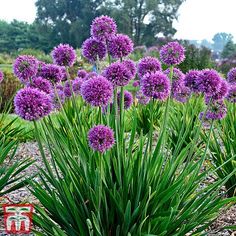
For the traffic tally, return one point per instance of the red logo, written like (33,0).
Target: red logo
(18,218)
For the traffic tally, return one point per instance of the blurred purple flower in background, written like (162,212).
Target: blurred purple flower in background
(52,72)
(82,73)
(231,76)
(131,66)
(142,99)
(128,99)
(41,84)
(191,80)
(1,76)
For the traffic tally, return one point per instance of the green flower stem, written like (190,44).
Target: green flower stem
(100,115)
(122,123)
(151,125)
(115,111)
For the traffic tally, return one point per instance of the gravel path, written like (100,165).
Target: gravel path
(26,150)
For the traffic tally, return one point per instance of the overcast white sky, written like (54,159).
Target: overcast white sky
(198,19)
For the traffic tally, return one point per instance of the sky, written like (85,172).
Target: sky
(198,19)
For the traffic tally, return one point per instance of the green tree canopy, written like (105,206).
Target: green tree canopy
(220,40)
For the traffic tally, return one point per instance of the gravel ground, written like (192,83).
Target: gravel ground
(26,150)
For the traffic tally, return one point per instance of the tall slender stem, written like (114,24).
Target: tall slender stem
(122,123)
(151,125)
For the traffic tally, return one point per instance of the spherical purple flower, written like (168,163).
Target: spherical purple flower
(217,110)
(148,65)
(172,53)
(41,64)
(97,91)
(68,89)
(93,50)
(221,93)
(191,80)
(209,81)
(131,66)
(177,74)
(232,93)
(1,76)
(156,85)
(64,55)
(118,74)
(64,73)
(180,92)
(41,84)
(51,72)
(120,46)
(128,99)
(91,75)
(32,104)
(58,97)
(82,74)
(103,28)
(76,85)
(142,99)
(136,83)
(231,76)
(101,138)
(25,67)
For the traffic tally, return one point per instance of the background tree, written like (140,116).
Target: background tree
(229,49)
(220,40)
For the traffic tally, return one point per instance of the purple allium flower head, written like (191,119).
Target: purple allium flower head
(216,111)
(76,85)
(172,53)
(41,84)
(156,85)
(1,76)
(68,89)
(220,94)
(93,50)
(25,67)
(191,80)
(231,76)
(142,99)
(101,138)
(128,99)
(52,72)
(136,83)
(232,93)
(82,73)
(41,64)
(120,46)
(64,73)
(118,74)
(209,81)
(180,92)
(58,97)
(177,74)
(97,91)
(131,66)
(32,104)
(103,28)
(91,75)
(64,55)
(148,65)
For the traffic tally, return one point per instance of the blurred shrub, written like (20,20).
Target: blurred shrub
(196,58)
(8,88)
(5,59)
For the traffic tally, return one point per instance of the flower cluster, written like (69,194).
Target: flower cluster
(191,80)
(32,104)
(101,138)
(25,67)
(82,73)
(172,54)
(231,76)
(148,65)
(92,50)
(118,74)
(41,84)
(97,91)
(120,46)
(156,85)
(131,66)
(103,28)
(142,99)
(64,55)
(52,72)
